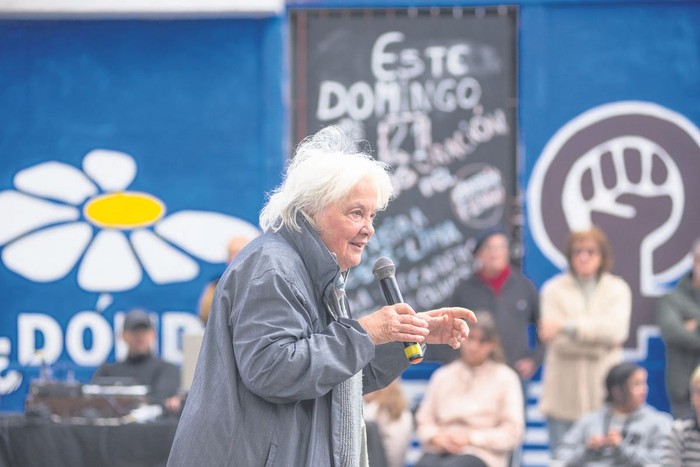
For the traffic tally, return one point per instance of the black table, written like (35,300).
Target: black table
(38,442)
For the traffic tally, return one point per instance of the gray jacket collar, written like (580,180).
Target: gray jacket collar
(320,263)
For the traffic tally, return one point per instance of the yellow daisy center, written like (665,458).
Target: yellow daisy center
(127,210)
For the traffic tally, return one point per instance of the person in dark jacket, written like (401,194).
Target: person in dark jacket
(141,366)
(284,362)
(511,298)
(678,316)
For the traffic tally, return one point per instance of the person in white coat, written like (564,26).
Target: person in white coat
(585,319)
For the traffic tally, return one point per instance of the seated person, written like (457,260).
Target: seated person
(682,445)
(626,431)
(141,366)
(388,408)
(472,411)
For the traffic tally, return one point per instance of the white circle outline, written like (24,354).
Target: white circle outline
(562,136)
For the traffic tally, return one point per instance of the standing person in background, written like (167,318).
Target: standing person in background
(472,411)
(510,297)
(234,246)
(625,432)
(585,320)
(388,408)
(678,316)
(284,363)
(682,445)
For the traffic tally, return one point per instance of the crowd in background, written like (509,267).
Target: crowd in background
(328,378)
(295,378)
(594,402)
(473,410)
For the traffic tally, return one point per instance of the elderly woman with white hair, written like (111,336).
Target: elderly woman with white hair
(284,363)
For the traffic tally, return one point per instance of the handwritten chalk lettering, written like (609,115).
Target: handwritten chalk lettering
(406,63)
(391,61)
(426,241)
(393,230)
(435,294)
(439,181)
(481,128)
(406,139)
(470,133)
(335,101)
(406,238)
(402,130)
(361,101)
(446,96)
(442,264)
(431,240)
(388,96)
(430,284)
(403,179)
(425,285)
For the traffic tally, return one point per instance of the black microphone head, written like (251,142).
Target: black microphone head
(383,268)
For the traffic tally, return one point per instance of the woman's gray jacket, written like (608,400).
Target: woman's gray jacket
(272,355)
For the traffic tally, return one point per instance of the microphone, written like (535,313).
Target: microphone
(384,271)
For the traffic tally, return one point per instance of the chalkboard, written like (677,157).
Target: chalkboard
(433,92)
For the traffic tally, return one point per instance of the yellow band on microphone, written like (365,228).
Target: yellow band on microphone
(414,353)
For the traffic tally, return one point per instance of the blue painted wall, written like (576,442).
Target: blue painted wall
(197,104)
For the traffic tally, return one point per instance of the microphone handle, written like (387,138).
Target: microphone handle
(392,294)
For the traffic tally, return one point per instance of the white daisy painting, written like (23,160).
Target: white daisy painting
(59,216)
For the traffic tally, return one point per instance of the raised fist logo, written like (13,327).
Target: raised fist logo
(604,180)
(630,168)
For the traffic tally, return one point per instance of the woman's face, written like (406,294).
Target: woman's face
(637,389)
(476,350)
(345,227)
(493,255)
(586,259)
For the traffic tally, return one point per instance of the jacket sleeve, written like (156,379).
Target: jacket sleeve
(283,349)
(551,307)
(572,450)
(597,333)
(671,447)
(648,453)
(611,327)
(388,363)
(670,321)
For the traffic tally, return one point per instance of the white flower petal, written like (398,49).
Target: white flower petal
(163,263)
(109,264)
(23,213)
(204,234)
(55,180)
(49,254)
(112,170)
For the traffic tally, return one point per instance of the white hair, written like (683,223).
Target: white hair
(324,169)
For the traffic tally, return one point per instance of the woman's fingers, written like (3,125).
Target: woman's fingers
(395,323)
